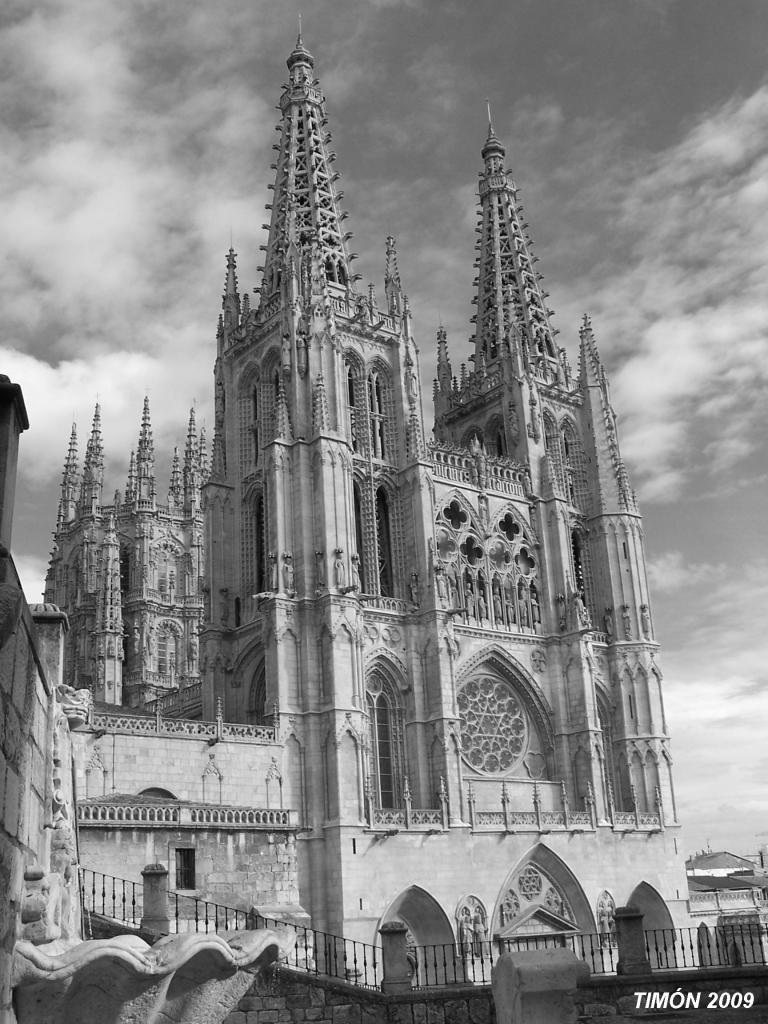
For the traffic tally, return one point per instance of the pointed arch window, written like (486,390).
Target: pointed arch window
(357,509)
(574,468)
(386,742)
(582,573)
(255,423)
(351,410)
(384,538)
(259,567)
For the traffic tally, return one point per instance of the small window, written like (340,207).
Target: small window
(185,869)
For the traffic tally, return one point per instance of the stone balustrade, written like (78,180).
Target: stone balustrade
(725,899)
(142,725)
(97,813)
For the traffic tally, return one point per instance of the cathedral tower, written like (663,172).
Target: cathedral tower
(129,574)
(453,639)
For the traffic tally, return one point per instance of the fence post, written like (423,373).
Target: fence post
(155,916)
(396,968)
(630,938)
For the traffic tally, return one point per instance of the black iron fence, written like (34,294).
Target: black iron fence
(724,945)
(195,914)
(111,897)
(331,956)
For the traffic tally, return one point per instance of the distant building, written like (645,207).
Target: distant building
(438,655)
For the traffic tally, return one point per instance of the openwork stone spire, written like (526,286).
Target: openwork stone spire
(145,458)
(69,480)
(230,304)
(509,296)
(306,203)
(93,467)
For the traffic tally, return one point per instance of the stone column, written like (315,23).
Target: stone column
(397,968)
(155,916)
(13,419)
(537,986)
(630,938)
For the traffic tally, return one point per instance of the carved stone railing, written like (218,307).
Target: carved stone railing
(624,818)
(387,604)
(96,813)
(460,466)
(426,816)
(388,816)
(186,697)
(156,725)
(730,899)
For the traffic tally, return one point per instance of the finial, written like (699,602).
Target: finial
(490,122)
(298,38)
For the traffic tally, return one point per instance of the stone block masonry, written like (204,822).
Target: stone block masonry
(292,996)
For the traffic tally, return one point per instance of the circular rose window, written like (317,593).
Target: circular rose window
(494,731)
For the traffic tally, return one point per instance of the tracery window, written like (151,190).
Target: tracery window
(386,741)
(533,887)
(376,409)
(494,725)
(384,538)
(493,580)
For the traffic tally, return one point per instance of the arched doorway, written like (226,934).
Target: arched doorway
(655,911)
(430,936)
(540,903)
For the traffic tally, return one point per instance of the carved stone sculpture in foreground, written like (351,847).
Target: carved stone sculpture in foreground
(194,979)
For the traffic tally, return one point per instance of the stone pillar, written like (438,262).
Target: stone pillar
(630,938)
(397,969)
(537,986)
(13,419)
(155,917)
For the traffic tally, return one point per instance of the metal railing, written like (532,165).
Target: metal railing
(107,896)
(330,956)
(471,962)
(195,914)
(726,945)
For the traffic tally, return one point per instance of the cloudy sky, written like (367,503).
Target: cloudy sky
(136,140)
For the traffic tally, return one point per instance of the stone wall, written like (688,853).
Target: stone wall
(291,996)
(237,868)
(26,765)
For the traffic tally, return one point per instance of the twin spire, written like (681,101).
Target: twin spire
(82,494)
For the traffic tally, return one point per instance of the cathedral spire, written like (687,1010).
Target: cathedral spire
(68,500)
(175,494)
(145,458)
(392,286)
(230,305)
(305,208)
(444,373)
(509,296)
(93,467)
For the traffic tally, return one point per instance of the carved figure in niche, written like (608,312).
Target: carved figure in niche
(509,601)
(466,934)
(273,581)
(442,586)
(355,573)
(172,663)
(626,620)
(606,922)
(192,653)
(301,351)
(498,608)
(481,463)
(538,660)
(453,586)
(482,610)
(469,601)
(562,621)
(608,622)
(535,610)
(339,569)
(289,577)
(579,613)
(171,586)
(135,641)
(525,619)
(320,569)
(413,587)
(285,353)
(479,932)
(514,424)
(206,602)
(224,605)
(645,620)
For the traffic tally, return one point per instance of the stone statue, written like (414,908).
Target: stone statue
(289,576)
(414,588)
(466,936)
(469,601)
(193,648)
(482,610)
(340,569)
(645,620)
(626,620)
(608,622)
(355,573)
(442,587)
(273,581)
(480,932)
(498,612)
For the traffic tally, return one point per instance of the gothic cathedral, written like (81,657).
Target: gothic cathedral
(451,636)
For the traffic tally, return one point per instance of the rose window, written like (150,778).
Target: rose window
(494,730)
(530,883)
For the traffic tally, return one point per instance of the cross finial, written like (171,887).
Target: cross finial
(298,40)
(490,122)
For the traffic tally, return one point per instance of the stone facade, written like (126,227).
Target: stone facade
(451,640)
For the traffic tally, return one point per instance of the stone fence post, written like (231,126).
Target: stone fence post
(397,969)
(537,986)
(155,917)
(630,939)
